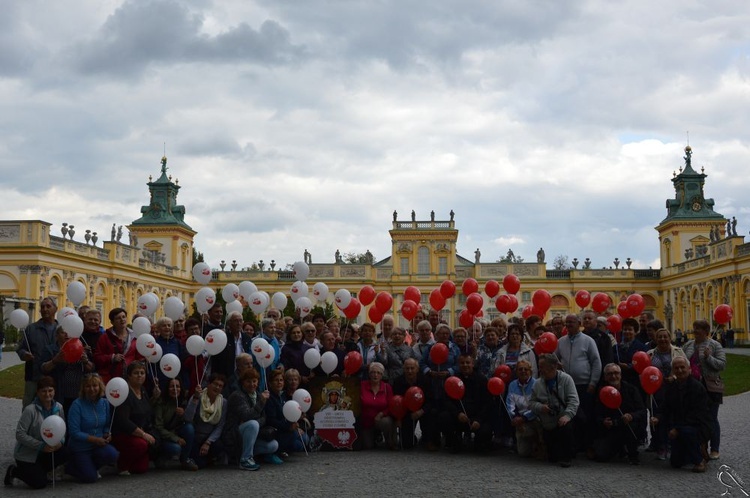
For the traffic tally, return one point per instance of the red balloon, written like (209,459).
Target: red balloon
(454,387)
(437,301)
(352,311)
(529,310)
(583,298)
(469,286)
(636,304)
(383,302)
(396,407)
(601,302)
(511,283)
(411,293)
(72,350)
(513,303)
(439,353)
(641,360)
(352,362)
(547,342)
(474,303)
(723,314)
(651,379)
(496,386)
(414,398)
(610,397)
(374,314)
(538,348)
(504,372)
(614,323)
(623,310)
(541,300)
(409,309)
(447,289)
(366,295)
(492,288)
(502,303)
(479,314)
(465,319)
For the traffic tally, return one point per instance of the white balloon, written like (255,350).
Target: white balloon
(279,300)
(62,313)
(342,297)
(170,365)
(19,318)
(155,354)
(320,291)
(53,430)
(303,398)
(268,355)
(76,292)
(292,411)
(247,289)
(234,306)
(141,325)
(117,391)
(195,345)
(301,270)
(312,358)
(299,289)
(230,293)
(204,299)
(73,326)
(329,361)
(304,305)
(174,308)
(216,341)
(202,273)
(257,302)
(258,347)
(147,305)
(145,345)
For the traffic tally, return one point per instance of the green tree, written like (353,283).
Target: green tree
(510,258)
(561,262)
(353,258)
(197,256)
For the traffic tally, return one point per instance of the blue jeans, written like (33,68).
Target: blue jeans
(83,465)
(170,448)
(251,445)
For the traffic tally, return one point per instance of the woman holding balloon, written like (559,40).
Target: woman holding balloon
(177,434)
(288,433)
(88,423)
(38,440)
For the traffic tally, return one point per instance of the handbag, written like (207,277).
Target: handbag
(267,433)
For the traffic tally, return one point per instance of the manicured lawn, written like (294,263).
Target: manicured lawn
(737,374)
(11,382)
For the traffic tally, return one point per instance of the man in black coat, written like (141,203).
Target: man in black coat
(410,378)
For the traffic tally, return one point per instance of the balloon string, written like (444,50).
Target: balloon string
(462,408)
(631,429)
(112,421)
(53,470)
(205,367)
(299,433)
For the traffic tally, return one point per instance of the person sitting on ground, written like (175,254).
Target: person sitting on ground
(88,427)
(288,434)
(207,410)
(176,433)
(661,358)
(555,401)
(412,377)
(246,434)
(471,414)
(133,432)
(685,412)
(619,427)
(528,429)
(34,457)
(375,396)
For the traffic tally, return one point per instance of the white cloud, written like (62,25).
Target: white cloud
(304,125)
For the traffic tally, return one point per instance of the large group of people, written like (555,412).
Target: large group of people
(227,409)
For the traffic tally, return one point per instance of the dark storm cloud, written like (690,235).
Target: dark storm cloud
(141,34)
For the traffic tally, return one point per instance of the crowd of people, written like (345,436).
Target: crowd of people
(227,409)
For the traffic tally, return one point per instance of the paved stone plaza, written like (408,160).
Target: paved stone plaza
(419,473)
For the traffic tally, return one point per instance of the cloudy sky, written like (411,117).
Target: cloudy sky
(304,124)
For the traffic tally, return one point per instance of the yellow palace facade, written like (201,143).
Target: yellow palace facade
(704,263)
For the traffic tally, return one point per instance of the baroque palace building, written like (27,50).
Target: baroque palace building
(703,263)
